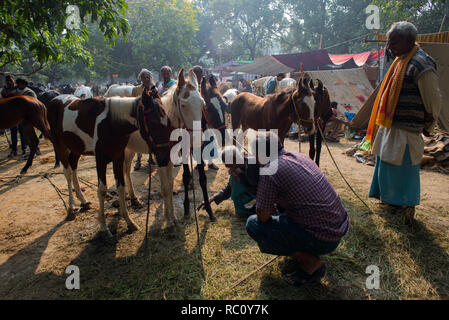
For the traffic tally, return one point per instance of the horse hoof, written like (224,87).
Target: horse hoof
(85,206)
(135,203)
(132,227)
(71,215)
(213,218)
(57,165)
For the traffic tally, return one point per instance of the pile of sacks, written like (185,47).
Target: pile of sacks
(435,158)
(436,152)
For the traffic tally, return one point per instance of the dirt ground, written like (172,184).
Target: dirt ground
(37,244)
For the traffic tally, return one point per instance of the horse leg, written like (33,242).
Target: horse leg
(129,156)
(73,160)
(33,141)
(71,209)
(166,178)
(120,182)
(319,144)
(63,154)
(312,150)
(56,158)
(101,191)
(186,181)
(203,184)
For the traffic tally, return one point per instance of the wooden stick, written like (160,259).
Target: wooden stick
(254,272)
(442,23)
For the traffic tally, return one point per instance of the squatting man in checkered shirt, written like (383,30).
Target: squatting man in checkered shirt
(312,221)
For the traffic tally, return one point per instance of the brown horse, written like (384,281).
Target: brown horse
(277,111)
(323,112)
(29,112)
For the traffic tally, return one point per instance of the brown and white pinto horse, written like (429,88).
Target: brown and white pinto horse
(29,112)
(103,127)
(214,113)
(276,111)
(183,104)
(213,118)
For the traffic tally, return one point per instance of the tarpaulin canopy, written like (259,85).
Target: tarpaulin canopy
(226,67)
(313,60)
(360,59)
(266,66)
(350,87)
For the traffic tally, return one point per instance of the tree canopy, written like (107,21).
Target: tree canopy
(39,29)
(123,36)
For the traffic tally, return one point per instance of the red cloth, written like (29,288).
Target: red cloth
(359,58)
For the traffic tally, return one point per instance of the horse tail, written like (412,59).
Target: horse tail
(47,134)
(235,113)
(52,114)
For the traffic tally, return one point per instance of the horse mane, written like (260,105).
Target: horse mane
(281,97)
(327,106)
(168,103)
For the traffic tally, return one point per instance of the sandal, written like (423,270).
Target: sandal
(300,277)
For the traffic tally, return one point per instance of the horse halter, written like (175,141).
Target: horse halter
(177,101)
(210,124)
(144,129)
(300,120)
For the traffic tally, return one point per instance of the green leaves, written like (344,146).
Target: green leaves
(39,27)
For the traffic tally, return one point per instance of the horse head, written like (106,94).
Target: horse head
(304,104)
(155,126)
(214,112)
(188,100)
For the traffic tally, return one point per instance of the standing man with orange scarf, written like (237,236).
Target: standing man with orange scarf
(407,106)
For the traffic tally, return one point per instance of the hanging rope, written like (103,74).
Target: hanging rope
(194,205)
(58,191)
(336,165)
(145,246)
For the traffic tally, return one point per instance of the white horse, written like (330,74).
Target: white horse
(119,91)
(183,104)
(230,95)
(286,83)
(83,92)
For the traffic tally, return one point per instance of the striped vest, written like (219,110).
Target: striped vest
(410,112)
